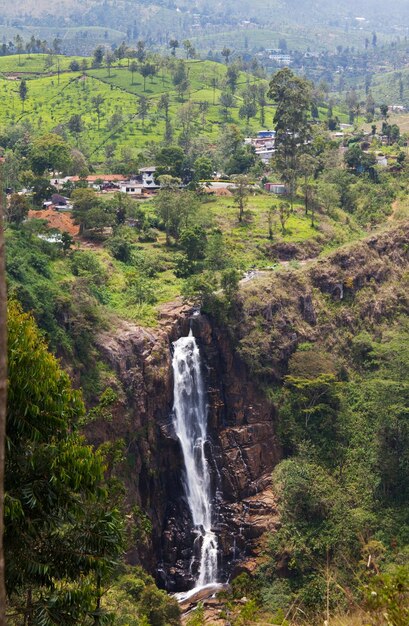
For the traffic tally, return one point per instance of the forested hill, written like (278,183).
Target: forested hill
(291,13)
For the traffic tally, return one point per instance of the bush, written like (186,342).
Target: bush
(120,249)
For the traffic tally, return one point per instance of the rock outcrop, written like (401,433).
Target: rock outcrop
(242,450)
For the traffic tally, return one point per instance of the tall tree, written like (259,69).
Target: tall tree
(167,205)
(189,49)
(3,393)
(23,92)
(18,40)
(109,59)
(133,67)
(62,536)
(140,51)
(97,102)
(143,108)
(292,96)
(241,192)
(147,69)
(173,45)
(226,52)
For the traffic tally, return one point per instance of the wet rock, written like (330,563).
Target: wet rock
(242,448)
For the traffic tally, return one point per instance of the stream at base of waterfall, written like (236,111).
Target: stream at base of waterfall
(190,423)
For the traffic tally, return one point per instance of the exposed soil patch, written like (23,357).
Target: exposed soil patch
(62,221)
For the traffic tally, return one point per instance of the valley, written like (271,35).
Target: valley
(206,263)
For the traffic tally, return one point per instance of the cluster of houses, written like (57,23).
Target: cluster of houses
(139,185)
(264,144)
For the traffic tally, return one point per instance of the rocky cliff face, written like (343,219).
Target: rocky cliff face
(242,449)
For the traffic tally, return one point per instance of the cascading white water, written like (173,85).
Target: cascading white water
(190,422)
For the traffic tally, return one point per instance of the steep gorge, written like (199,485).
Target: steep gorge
(323,306)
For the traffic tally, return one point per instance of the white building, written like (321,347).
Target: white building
(148,178)
(131,187)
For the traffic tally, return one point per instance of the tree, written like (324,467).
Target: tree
(249,107)
(109,59)
(261,101)
(140,51)
(203,167)
(143,108)
(292,96)
(230,281)
(308,167)
(23,92)
(3,394)
(226,52)
(384,109)
(61,532)
(241,192)
(173,45)
(76,126)
(147,69)
(164,105)
(49,152)
(370,107)
(17,209)
(133,67)
(284,211)
(57,45)
(200,290)
(98,56)
(226,103)
(83,200)
(352,103)
(189,49)
(18,40)
(193,242)
(180,79)
(170,161)
(356,159)
(232,76)
(174,206)
(66,241)
(328,196)
(97,102)
(270,221)
(217,257)
(167,204)
(186,116)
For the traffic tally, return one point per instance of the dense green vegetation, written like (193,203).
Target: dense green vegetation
(327,343)
(64,523)
(341,393)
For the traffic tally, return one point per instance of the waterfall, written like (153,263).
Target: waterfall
(190,422)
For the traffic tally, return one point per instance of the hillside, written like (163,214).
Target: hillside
(232,312)
(252,24)
(52,100)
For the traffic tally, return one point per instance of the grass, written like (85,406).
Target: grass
(248,242)
(246,245)
(52,100)
(35,63)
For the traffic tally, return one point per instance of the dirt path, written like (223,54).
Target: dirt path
(259,273)
(395,209)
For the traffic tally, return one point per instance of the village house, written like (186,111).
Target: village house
(148,178)
(264,144)
(96,181)
(279,189)
(131,187)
